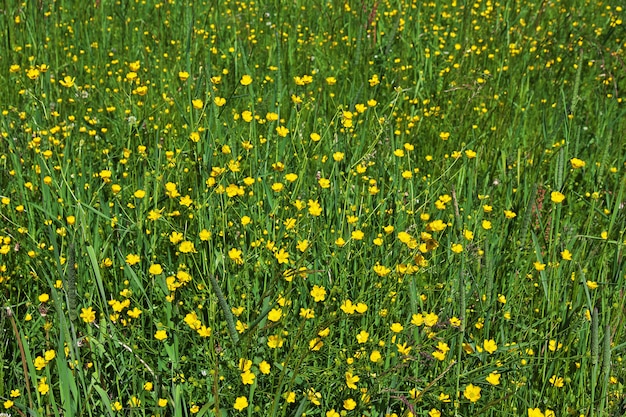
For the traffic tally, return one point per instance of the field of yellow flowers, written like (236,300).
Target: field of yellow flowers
(312,208)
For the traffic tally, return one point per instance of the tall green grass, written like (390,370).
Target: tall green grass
(312,208)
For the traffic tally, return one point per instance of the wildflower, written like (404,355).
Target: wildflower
(302,245)
(457,248)
(556,381)
(430,319)
(557,197)
(577,163)
(362,337)
(535,412)
(187,247)
(155,269)
(67,81)
(247,378)
(313,396)
(349,404)
(197,103)
(183,75)
(486,224)
(381,270)
(396,327)
(357,235)
(566,255)
(246,80)
(493,378)
(43,298)
(42,387)
(275,314)
(351,380)
(236,256)
(436,226)
(539,266)
(509,214)
(314,208)
(318,293)
(39,363)
(282,257)
(375,356)
(347,307)
(8,404)
(274,341)
(490,346)
(373,81)
(472,393)
(264,367)
(329,413)
(403,349)
(592,285)
(282,131)
(88,315)
(315,137)
(160,335)
(240,403)
(219,101)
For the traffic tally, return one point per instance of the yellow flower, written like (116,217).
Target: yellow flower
(42,387)
(240,403)
(183,75)
(566,255)
(396,327)
(88,315)
(431,319)
(155,269)
(160,335)
(197,103)
(8,404)
(219,101)
(275,314)
(557,197)
(282,257)
(535,412)
(472,393)
(43,298)
(318,293)
(457,248)
(539,266)
(236,256)
(351,380)
(577,163)
(264,367)
(349,404)
(490,346)
(246,80)
(282,131)
(247,378)
(187,247)
(67,81)
(493,378)
(556,381)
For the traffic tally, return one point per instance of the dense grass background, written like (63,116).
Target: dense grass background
(324,208)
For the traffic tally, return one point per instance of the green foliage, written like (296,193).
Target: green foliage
(312,208)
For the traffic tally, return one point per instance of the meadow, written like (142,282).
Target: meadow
(312,208)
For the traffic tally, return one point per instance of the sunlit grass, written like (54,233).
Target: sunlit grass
(361,208)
